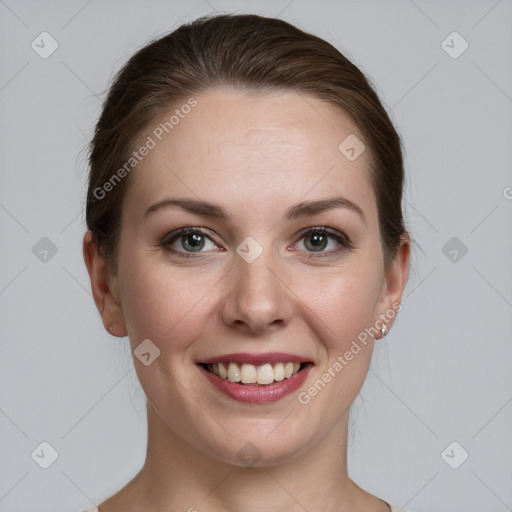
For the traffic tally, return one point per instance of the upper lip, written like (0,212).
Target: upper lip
(255,359)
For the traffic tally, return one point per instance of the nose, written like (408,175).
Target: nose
(257,297)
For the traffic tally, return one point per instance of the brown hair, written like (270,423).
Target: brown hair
(250,53)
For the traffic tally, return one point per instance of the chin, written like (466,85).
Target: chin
(260,444)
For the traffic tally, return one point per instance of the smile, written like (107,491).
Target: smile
(256,378)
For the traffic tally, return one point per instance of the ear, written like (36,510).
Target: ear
(104,288)
(393,286)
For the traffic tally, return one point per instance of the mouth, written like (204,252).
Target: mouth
(256,378)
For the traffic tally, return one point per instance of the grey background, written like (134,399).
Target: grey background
(443,374)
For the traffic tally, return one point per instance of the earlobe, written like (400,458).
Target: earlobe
(103,288)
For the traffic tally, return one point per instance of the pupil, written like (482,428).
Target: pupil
(194,241)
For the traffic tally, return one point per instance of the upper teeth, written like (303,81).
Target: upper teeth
(251,374)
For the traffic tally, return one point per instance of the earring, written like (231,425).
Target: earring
(384,330)
(111,327)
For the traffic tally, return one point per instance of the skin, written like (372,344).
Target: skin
(255,155)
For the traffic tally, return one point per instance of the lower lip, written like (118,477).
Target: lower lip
(254,393)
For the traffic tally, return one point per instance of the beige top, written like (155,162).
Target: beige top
(393,509)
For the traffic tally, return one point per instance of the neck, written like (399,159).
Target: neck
(177,476)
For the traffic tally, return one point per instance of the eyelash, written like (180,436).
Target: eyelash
(343,240)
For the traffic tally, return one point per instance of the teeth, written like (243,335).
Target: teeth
(265,374)
(248,373)
(233,372)
(279,372)
(222,371)
(251,374)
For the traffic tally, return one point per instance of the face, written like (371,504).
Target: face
(266,275)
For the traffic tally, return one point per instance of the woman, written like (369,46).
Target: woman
(245,232)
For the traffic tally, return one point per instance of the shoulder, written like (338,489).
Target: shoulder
(393,509)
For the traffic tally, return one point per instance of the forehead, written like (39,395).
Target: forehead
(247,150)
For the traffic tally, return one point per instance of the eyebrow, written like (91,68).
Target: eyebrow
(296,211)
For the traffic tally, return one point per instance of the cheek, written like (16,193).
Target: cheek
(345,304)
(163,305)
(340,307)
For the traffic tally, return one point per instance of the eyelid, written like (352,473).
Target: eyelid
(344,242)
(327,231)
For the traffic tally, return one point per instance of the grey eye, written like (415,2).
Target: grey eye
(318,241)
(192,241)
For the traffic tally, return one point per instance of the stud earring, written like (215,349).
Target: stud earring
(384,330)
(111,327)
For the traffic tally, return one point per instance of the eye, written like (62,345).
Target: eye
(317,239)
(188,240)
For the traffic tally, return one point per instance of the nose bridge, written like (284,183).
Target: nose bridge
(257,296)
